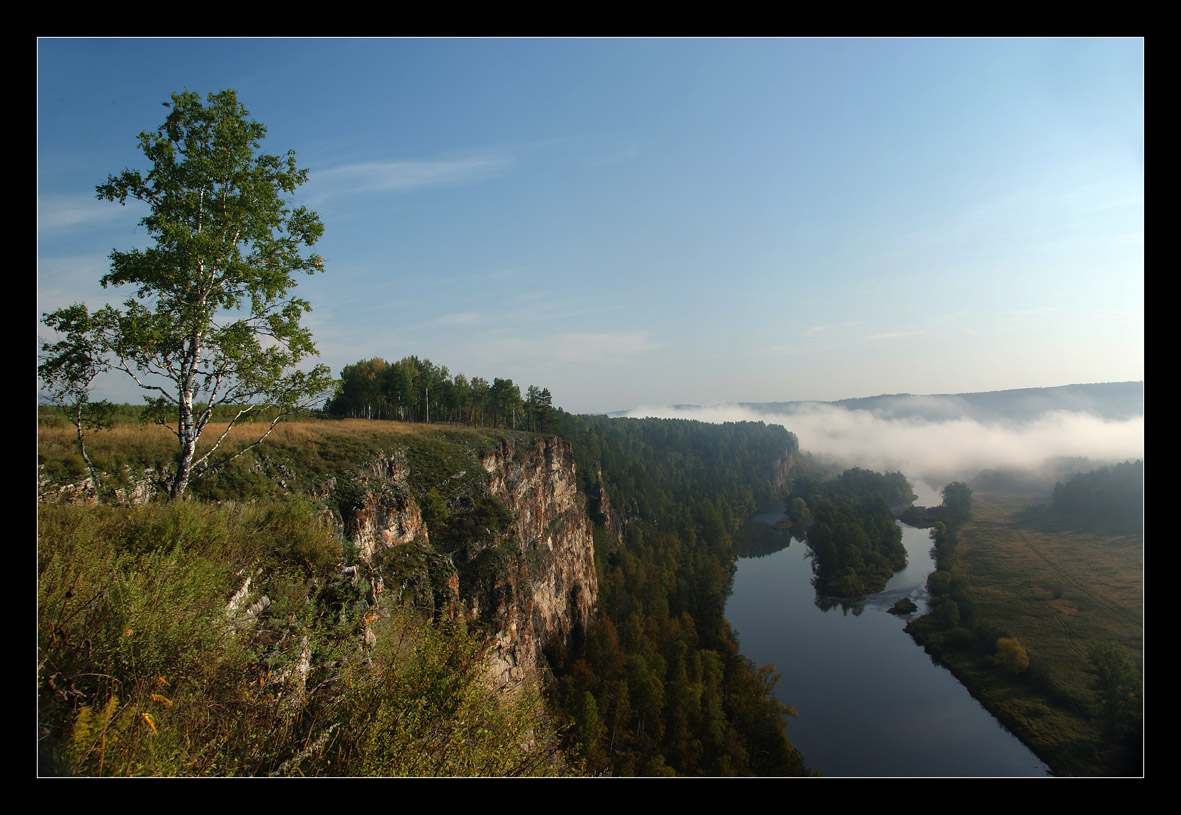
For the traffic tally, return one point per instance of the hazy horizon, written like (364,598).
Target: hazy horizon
(660,221)
(937,450)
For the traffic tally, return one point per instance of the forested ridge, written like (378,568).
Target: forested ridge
(659,685)
(417,390)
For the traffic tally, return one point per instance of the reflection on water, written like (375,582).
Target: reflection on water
(871,702)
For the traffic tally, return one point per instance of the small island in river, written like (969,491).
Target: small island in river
(904,606)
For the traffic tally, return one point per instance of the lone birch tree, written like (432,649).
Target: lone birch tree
(212,320)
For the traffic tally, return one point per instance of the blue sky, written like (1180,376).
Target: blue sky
(657,221)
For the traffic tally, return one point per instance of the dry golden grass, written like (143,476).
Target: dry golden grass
(128,437)
(309,445)
(358,428)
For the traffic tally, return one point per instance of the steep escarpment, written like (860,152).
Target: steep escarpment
(497,534)
(553,583)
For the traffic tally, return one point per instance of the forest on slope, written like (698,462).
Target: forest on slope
(659,685)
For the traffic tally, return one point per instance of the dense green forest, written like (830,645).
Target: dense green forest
(1110,497)
(848,522)
(659,686)
(951,606)
(955,509)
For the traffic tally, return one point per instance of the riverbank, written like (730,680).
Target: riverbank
(1020,575)
(859,684)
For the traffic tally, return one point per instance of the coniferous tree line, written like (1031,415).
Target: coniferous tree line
(658,685)
(1109,496)
(417,390)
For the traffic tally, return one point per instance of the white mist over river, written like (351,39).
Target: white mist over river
(936,449)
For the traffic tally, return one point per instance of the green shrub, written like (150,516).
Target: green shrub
(141,669)
(425,706)
(144,670)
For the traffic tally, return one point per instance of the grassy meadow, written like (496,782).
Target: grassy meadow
(1057,590)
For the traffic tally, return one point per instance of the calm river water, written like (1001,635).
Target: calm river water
(870,701)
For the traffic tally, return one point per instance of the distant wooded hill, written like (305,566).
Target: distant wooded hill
(1108,400)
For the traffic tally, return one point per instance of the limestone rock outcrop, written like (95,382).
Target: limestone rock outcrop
(533,583)
(383,512)
(553,582)
(526,577)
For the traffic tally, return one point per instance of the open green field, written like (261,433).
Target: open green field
(1055,589)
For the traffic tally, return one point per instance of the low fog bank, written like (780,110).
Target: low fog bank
(987,453)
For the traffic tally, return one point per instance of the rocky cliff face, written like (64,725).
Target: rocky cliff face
(532,581)
(782,474)
(554,586)
(130,489)
(383,512)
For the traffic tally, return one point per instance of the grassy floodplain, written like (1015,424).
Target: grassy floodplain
(1056,589)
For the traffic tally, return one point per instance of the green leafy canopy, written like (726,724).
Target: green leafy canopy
(212,320)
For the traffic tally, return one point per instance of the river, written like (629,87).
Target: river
(870,701)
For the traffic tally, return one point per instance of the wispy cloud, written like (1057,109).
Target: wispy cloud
(1035,312)
(404,176)
(71,279)
(459,318)
(55,212)
(1053,213)
(889,335)
(601,347)
(830,329)
(545,352)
